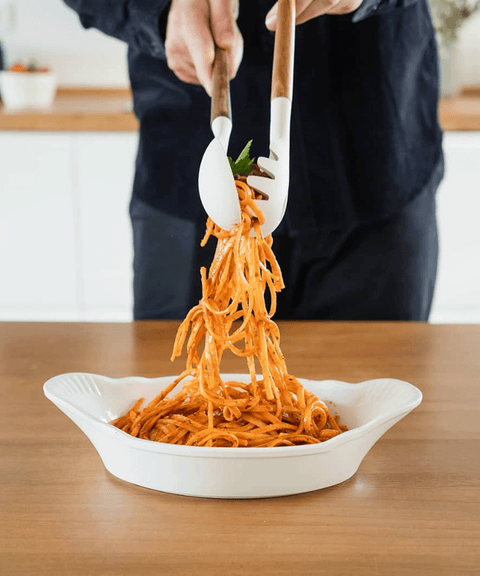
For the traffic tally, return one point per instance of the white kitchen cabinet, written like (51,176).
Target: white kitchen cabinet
(66,243)
(105,176)
(38,248)
(65,238)
(457,295)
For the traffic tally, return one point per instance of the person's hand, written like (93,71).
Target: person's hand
(309,9)
(194,27)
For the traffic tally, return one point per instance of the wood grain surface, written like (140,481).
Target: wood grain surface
(221,86)
(77,109)
(411,509)
(460,113)
(283,56)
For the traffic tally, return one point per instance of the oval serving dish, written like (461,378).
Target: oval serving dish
(368,409)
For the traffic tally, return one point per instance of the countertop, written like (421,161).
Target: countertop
(462,112)
(110,109)
(77,109)
(413,508)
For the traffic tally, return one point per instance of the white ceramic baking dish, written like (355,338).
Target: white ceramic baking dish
(369,409)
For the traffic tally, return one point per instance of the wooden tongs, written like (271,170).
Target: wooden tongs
(215,180)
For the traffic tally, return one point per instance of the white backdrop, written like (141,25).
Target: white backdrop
(51,31)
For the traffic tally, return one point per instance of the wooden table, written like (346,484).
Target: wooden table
(412,508)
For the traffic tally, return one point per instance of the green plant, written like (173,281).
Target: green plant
(450,15)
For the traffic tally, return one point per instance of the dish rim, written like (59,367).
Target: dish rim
(234,452)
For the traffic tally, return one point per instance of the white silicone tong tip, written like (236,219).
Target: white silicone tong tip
(216,183)
(275,186)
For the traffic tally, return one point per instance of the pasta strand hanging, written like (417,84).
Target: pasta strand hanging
(275,410)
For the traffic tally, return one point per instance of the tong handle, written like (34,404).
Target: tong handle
(220,105)
(282,75)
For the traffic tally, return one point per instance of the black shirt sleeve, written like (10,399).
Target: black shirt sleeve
(377,7)
(140,23)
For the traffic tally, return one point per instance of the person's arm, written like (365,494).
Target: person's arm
(359,9)
(137,22)
(182,31)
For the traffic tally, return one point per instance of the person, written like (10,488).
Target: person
(359,237)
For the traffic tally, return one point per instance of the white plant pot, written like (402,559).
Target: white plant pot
(27,89)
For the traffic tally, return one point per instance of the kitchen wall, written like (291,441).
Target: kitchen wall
(50,31)
(469,51)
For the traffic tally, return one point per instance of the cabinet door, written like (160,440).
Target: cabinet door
(37,228)
(457,295)
(105,175)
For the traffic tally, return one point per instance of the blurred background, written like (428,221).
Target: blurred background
(50,32)
(66,169)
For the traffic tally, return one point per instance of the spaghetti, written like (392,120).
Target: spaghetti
(275,410)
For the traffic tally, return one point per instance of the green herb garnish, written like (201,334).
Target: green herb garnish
(243,164)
